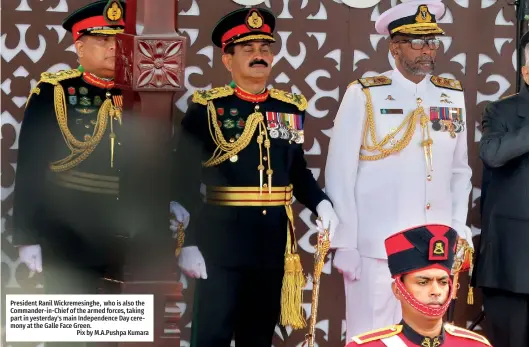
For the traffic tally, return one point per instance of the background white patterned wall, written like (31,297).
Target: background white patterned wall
(322,45)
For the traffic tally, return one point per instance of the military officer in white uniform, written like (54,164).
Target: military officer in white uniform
(397,159)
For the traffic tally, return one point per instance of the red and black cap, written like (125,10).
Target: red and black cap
(245,24)
(422,247)
(102,17)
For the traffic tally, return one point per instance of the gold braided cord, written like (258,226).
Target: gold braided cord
(229,149)
(180,237)
(60,111)
(370,127)
(79,150)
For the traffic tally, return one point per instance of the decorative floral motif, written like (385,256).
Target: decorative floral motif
(160,64)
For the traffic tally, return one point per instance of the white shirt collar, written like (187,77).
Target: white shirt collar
(418,89)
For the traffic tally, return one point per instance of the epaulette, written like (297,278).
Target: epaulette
(447,83)
(56,77)
(375,81)
(464,333)
(378,334)
(203,96)
(296,99)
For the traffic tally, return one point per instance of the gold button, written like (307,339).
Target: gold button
(232,140)
(264,212)
(265,185)
(265,158)
(428,206)
(256,107)
(429,177)
(234,158)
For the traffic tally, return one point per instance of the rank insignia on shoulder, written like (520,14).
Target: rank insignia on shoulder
(464,333)
(296,99)
(447,83)
(203,96)
(375,81)
(56,77)
(378,334)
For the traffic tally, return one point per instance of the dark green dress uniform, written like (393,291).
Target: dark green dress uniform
(240,163)
(68,174)
(242,240)
(68,177)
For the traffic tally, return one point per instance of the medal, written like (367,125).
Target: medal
(301,137)
(436,125)
(283,133)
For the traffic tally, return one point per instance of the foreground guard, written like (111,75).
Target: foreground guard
(420,261)
(244,143)
(410,165)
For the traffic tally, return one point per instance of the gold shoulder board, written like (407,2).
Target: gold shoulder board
(56,77)
(203,96)
(378,334)
(375,81)
(447,83)
(296,99)
(464,333)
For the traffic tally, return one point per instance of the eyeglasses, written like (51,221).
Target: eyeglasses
(433,44)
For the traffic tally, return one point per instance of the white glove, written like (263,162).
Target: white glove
(328,217)
(192,262)
(181,215)
(466,231)
(468,237)
(31,256)
(348,263)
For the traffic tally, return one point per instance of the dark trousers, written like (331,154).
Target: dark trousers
(64,276)
(236,303)
(508,317)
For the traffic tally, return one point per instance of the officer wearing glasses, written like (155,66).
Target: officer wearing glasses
(397,159)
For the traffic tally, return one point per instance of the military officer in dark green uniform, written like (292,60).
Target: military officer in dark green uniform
(243,144)
(67,190)
(71,202)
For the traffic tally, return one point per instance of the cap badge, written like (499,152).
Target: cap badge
(254,20)
(113,11)
(423,15)
(438,248)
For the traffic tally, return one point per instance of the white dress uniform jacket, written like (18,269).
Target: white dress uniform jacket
(377,198)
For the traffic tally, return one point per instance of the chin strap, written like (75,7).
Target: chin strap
(424,309)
